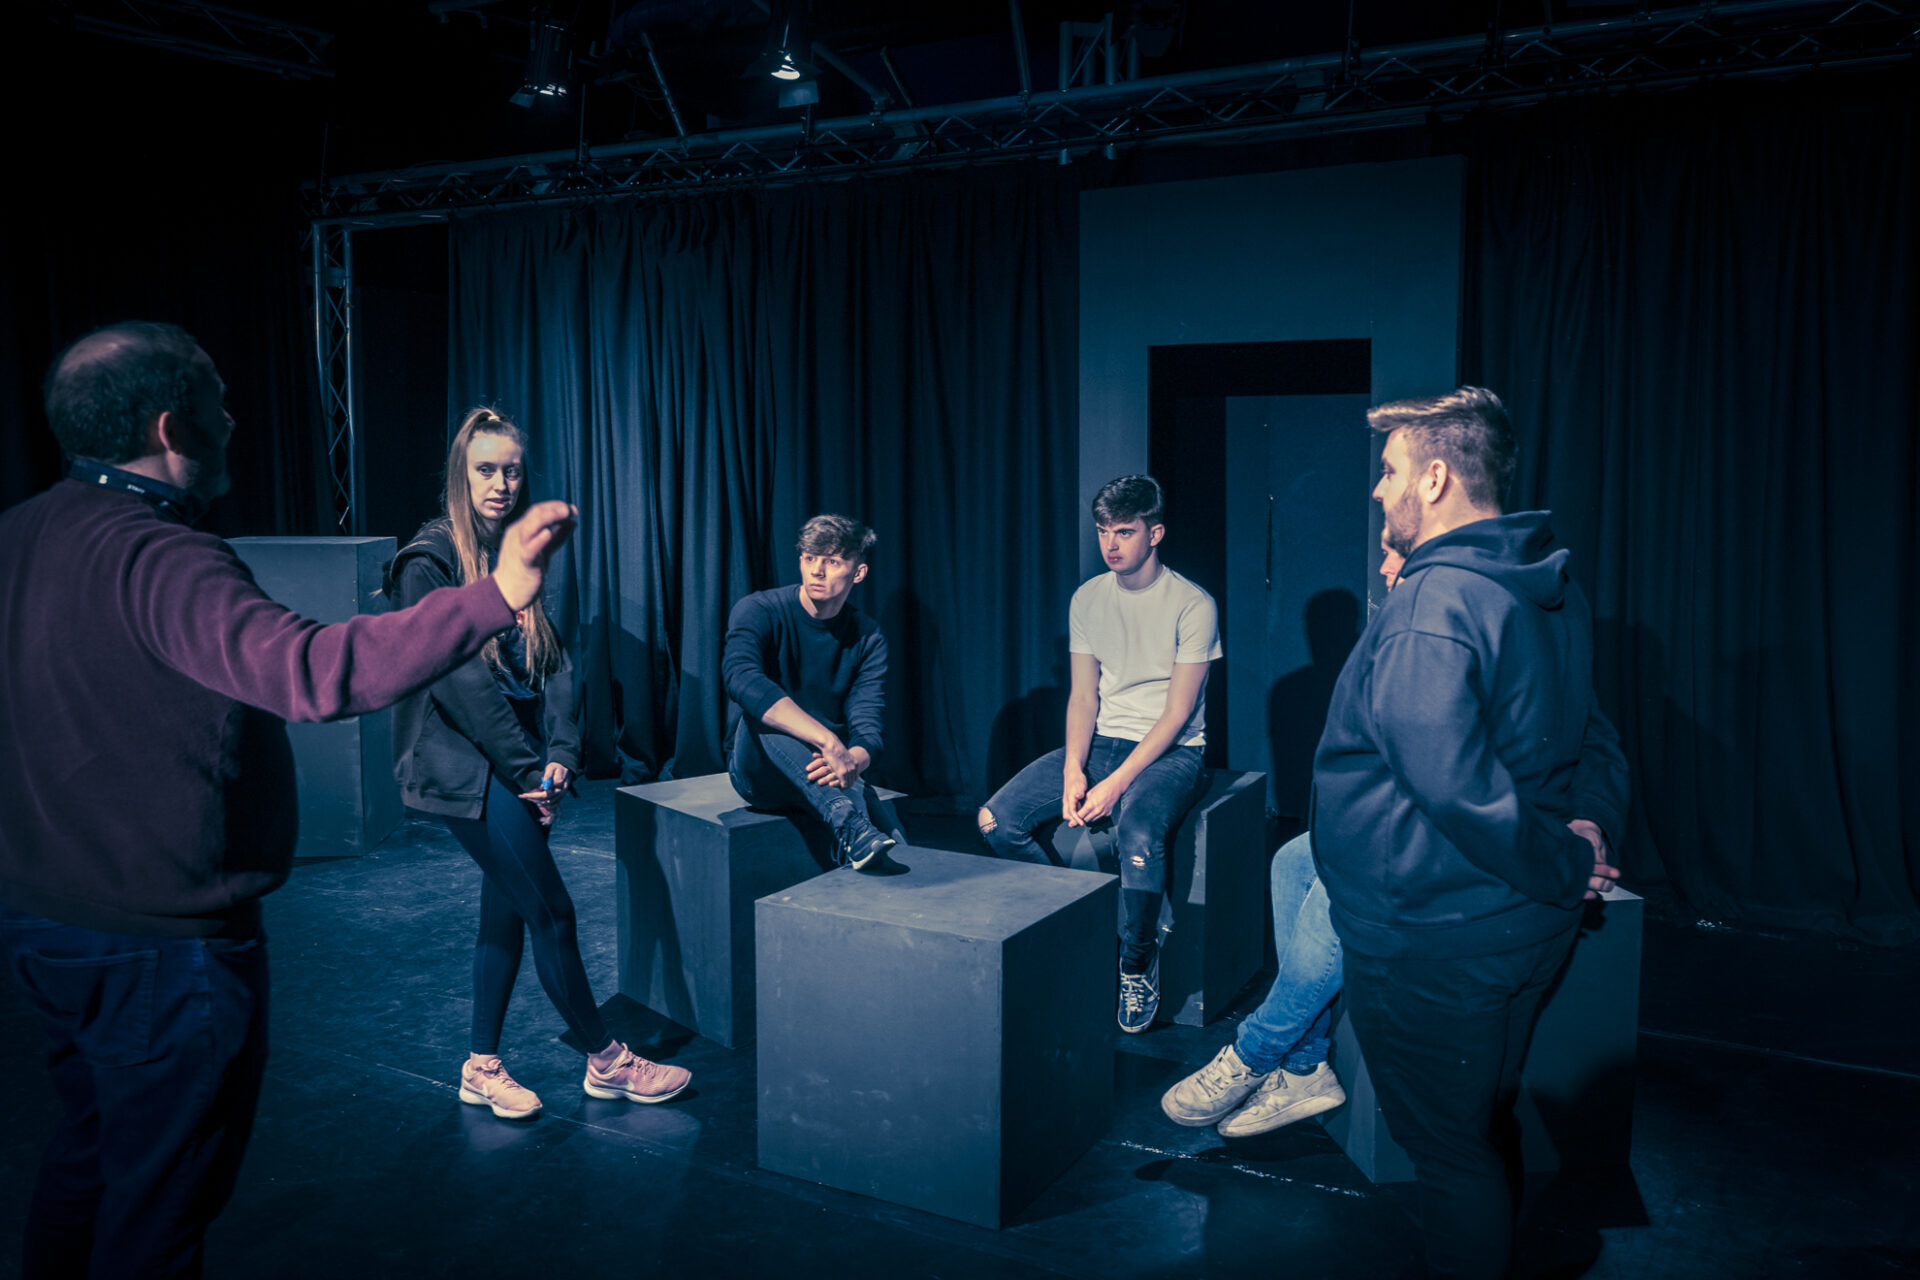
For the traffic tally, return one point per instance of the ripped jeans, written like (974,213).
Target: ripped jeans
(1142,820)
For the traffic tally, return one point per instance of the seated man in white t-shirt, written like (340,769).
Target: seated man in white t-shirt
(1141,638)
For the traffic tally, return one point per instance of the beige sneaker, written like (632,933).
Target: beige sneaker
(1283,1098)
(1212,1091)
(634,1078)
(485,1083)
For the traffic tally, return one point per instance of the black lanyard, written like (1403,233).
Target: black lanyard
(177,503)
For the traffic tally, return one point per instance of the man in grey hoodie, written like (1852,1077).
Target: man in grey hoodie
(1466,792)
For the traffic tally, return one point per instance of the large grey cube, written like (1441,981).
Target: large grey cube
(1576,1102)
(941,1037)
(1213,923)
(692,858)
(343,769)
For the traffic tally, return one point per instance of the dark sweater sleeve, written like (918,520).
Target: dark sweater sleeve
(743,658)
(867,699)
(469,696)
(1425,705)
(562,711)
(1600,780)
(197,608)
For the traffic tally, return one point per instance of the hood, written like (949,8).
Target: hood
(435,542)
(1515,550)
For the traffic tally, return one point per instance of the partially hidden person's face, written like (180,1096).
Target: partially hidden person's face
(1125,545)
(1390,563)
(496,468)
(827,578)
(1397,494)
(212,429)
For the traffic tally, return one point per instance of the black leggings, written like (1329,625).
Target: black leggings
(522,893)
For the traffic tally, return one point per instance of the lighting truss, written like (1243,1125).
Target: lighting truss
(210,31)
(1356,89)
(333,348)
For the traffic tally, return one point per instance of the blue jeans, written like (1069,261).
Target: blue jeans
(769,770)
(1292,1025)
(1445,1041)
(156,1048)
(1141,822)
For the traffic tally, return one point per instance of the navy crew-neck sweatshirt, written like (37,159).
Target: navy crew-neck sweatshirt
(835,670)
(146,782)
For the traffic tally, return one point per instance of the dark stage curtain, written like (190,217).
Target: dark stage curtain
(1704,317)
(702,375)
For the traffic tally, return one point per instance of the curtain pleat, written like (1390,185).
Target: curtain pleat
(702,375)
(1703,313)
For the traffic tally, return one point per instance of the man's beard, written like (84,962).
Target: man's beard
(207,476)
(1403,523)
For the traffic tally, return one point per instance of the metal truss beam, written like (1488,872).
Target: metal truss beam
(1355,89)
(210,31)
(333,349)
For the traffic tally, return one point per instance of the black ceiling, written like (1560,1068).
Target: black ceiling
(407,85)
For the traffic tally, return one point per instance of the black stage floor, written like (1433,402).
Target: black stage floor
(1776,1131)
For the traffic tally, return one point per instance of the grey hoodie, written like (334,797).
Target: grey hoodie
(1461,740)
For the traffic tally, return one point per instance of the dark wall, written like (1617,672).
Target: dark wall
(163,188)
(1360,251)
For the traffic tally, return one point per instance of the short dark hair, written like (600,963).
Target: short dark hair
(842,536)
(105,388)
(1130,498)
(1467,429)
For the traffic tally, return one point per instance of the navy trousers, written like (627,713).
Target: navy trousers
(156,1047)
(1445,1041)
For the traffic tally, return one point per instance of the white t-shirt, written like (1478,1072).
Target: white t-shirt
(1138,636)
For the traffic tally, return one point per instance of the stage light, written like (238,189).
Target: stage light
(546,64)
(788,55)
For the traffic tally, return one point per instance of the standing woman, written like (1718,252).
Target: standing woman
(490,749)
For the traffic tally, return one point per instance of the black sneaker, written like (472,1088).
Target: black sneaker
(857,842)
(1140,997)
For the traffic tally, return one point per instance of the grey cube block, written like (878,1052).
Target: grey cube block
(349,801)
(692,858)
(939,1038)
(1213,925)
(1576,1101)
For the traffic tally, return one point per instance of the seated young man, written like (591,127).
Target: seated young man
(1141,637)
(806,669)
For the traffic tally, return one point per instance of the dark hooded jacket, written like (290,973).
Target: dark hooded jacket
(450,736)
(1462,738)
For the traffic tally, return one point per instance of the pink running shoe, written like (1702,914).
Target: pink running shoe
(634,1078)
(485,1083)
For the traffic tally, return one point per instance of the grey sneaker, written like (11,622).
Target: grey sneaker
(857,842)
(1139,998)
(1283,1098)
(1212,1091)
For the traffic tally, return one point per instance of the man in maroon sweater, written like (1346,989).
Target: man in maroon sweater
(146,790)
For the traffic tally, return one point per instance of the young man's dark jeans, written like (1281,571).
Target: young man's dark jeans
(1444,1042)
(1147,812)
(769,770)
(157,1047)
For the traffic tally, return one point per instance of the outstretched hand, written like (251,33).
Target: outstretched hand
(526,547)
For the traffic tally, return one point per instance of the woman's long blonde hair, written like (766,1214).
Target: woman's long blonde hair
(469,543)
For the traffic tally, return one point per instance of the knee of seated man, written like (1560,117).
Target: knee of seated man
(1137,844)
(998,836)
